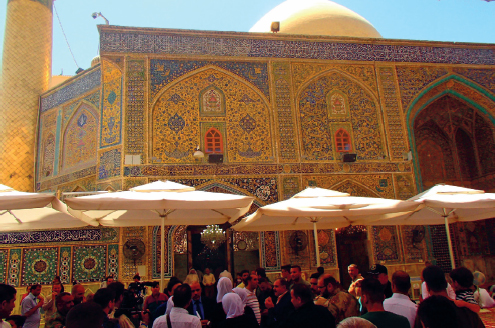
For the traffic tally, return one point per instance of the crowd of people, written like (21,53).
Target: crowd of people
(252,301)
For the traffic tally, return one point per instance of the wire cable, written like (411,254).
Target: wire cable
(67,41)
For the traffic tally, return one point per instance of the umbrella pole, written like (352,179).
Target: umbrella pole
(449,241)
(317,251)
(162,255)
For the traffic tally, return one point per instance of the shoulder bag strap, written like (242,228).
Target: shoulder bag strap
(169,324)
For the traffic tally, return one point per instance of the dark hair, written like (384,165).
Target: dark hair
(296,267)
(303,292)
(172,282)
(373,289)
(7,293)
(434,278)
(85,315)
(59,300)
(18,319)
(154,284)
(330,280)
(249,278)
(402,281)
(320,270)
(262,280)
(103,296)
(286,267)
(315,275)
(244,271)
(136,277)
(33,287)
(118,289)
(463,276)
(182,295)
(106,278)
(261,272)
(283,282)
(438,312)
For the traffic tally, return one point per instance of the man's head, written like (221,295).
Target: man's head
(264,284)
(261,272)
(244,275)
(462,278)
(195,290)
(353,271)
(155,288)
(78,293)
(16,321)
(434,279)
(85,315)
(7,300)
(207,270)
(35,289)
(280,286)
(379,272)
(313,281)
(252,282)
(295,273)
(438,311)
(372,291)
(182,296)
(56,288)
(401,282)
(300,294)
(286,272)
(105,298)
(136,278)
(330,285)
(64,302)
(109,279)
(118,290)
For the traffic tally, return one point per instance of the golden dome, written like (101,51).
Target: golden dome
(316,17)
(95,60)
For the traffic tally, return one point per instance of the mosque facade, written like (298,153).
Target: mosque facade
(284,112)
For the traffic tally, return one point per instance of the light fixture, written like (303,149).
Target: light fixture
(198,154)
(213,236)
(275,27)
(95,15)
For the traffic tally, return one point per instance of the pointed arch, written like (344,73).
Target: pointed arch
(355,188)
(342,141)
(213,141)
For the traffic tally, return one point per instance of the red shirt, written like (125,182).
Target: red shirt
(161,298)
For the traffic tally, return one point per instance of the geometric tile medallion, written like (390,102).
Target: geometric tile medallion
(39,265)
(89,263)
(4,257)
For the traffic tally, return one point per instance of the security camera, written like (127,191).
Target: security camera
(94,15)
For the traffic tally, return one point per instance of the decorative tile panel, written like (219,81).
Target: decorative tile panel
(15,260)
(110,164)
(89,263)
(111,108)
(386,244)
(64,267)
(135,124)
(270,250)
(113,261)
(4,259)
(39,265)
(60,236)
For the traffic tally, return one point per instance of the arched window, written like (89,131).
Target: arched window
(343,141)
(213,142)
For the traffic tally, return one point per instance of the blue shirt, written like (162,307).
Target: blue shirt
(29,302)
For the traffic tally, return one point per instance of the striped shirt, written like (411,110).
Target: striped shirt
(252,302)
(466,296)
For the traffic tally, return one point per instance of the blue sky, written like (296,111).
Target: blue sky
(436,20)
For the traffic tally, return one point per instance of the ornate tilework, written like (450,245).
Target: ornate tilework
(285,117)
(89,263)
(80,139)
(15,258)
(397,140)
(48,156)
(326,248)
(413,79)
(64,264)
(386,246)
(110,163)
(180,240)
(111,108)
(113,261)
(317,143)
(81,84)
(404,186)
(110,185)
(176,127)
(86,184)
(270,250)
(92,99)
(290,187)
(128,266)
(66,178)
(156,249)
(484,77)
(103,235)
(165,71)
(39,265)
(136,108)
(216,44)
(251,239)
(4,259)
(413,251)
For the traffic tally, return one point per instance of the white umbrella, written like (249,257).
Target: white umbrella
(159,203)
(446,204)
(31,211)
(326,208)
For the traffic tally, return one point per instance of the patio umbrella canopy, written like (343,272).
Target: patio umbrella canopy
(33,211)
(444,204)
(159,203)
(324,209)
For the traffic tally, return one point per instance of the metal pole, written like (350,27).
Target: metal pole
(162,255)
(315,232)
(449,241)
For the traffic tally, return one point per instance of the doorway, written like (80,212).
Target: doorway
(201,257)
(352,248)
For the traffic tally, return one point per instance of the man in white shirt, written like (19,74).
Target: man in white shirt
(400,303)
(179,317)
(7,303)
(30,307)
